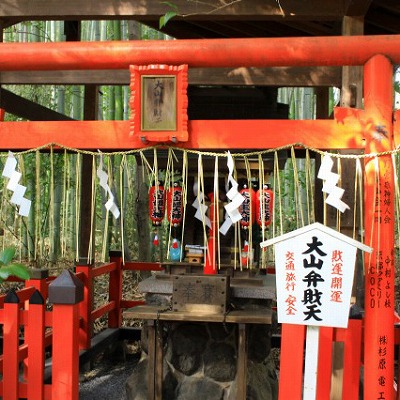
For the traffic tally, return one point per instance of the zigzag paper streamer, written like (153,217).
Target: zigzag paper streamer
(331,179)
(17,198)
(103,178)
(232,208)
(198,204)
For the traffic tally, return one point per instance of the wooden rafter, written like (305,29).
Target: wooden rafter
(27,109)
(83,9)
(281,76)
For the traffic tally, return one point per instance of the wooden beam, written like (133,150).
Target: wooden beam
(216,53)
(90,112)
(110,9)
(203,134)
(27,109)
(357,8)
(280,76)
(352,76)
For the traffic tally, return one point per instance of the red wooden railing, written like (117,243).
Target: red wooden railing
(68,328)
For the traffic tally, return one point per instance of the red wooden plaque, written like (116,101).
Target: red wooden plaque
(159,103)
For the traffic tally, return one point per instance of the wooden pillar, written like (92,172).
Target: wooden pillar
(11,323)
(351,96)
(90,111)
(242,362)
(322,112)
(65,293)
(379,232)
(35,337)
(86,215)
(115,290)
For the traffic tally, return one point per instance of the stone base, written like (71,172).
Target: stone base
(200,363)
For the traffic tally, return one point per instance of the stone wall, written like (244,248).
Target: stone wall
(200,362)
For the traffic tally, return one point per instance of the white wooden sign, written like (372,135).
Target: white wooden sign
(314,275)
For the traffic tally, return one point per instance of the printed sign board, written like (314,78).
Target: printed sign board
(314,275)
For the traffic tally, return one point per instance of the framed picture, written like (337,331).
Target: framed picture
(159,103)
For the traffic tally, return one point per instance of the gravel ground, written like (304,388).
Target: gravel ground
(106,381)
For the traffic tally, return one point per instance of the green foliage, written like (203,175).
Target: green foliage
(397,87)
(169,14)
(166,17)
(7,268)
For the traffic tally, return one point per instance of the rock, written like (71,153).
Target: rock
(188,343)
(169,386)
(259,339)
(221,332)
(220,362)
(189,338)
(136,384)
(188,364)
(199,389)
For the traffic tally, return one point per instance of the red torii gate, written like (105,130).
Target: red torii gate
(372,129)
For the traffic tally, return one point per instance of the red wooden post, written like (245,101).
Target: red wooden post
(65,293)
(115,290)
(291,362)
(86,306)
(352,360)
(10,346)
(38,280)
(324,363)
(379,232)
(35,331)
(209,264)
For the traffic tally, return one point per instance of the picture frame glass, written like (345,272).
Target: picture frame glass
(158,103)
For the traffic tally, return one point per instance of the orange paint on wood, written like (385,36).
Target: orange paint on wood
(324,363)
(379,233)
(203,134)
(35,338)
(65,352)
(352,360)
(86,306)
(291,362)
(254,52)
(10,351)
(115,293)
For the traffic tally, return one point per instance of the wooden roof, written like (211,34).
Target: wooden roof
(217,18)
(213,19)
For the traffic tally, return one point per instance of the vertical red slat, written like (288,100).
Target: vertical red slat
(324,377)
(352,360)
(86,306)
(291,364)
(35,331)
(10,348)
(65,352)
(115,290)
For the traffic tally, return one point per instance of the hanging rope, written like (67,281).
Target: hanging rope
(45,176)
